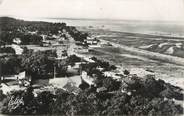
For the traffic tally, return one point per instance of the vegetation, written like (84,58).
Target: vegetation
(104,64)
(130,95)
(37,64)
(26,39)
(30,32)
(24,102)
(73,59)
(10,64)
(91,68)
(2,96)
(7,50)
(77,35)
(90,102)
(61,68)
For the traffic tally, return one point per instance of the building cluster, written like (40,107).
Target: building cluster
(64,48)
(64,45)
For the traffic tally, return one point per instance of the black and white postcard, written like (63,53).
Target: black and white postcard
(92,57)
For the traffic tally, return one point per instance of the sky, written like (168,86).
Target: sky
(164,10)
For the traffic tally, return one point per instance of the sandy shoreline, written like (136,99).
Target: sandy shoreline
(170,73)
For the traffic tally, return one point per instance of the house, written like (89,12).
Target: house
(101,89)
(9,77)
(67,83)
(44,37)
(7,89)
(45,44)
(111,74)
(77,65)
(17,40)
(89,38)
(61,53)
(87,78)
(91,41)
(55,36)
(72,70)
(17,48)
(100,68)
(94,46)
(61,39)
(32,32)
(89,60)
(58,82)
(22,78)
(81,49)
(21,75)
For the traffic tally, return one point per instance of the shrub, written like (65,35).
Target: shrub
(7,50)
(2,96)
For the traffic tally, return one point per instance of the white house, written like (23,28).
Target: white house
(17,40)
(18,49)
(21,77)
(87,78)
(91,41)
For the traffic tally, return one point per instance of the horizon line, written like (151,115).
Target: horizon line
(82,18)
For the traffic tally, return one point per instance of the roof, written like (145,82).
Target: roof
(73,81)
(18,49)
(87,78)
(101,89)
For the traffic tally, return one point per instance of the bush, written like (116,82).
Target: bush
(126,72)
(11,65)
(24,102)
(37,64)
(7,50)
(89,102)
(111,84)
(2,96)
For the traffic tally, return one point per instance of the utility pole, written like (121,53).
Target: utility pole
(54,71)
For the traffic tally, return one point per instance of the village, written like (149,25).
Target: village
(46,68)
(64,49)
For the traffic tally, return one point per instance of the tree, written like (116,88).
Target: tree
(62,102)
(38,65)
(118,105)
(45,99)
(73,59)
(2,96)
(111,84)
(126,72)
(11,65)
(61,67)
(7,50)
